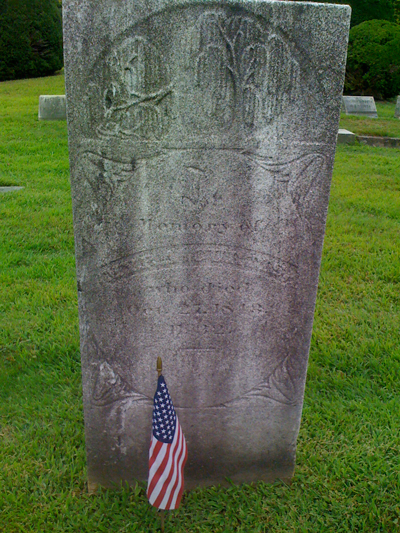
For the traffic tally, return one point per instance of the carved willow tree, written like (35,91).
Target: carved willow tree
(236,64)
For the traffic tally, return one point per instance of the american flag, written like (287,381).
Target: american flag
(168,453)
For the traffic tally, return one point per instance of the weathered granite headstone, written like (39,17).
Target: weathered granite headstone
(359,105)
(202,138)
(397,109)
(52,107)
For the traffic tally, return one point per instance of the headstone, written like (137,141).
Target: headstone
(360,105)
(202,138)
(397,109)
(52,107)
(346,137)
(10,188)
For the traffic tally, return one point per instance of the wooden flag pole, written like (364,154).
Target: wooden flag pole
(162,512)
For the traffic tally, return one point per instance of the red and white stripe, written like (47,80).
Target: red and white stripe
(166,463)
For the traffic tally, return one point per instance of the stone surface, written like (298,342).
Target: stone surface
(202,139)
(346,137)
(381,142)
(52,107)
(10,188)
(359,105)
(397,109)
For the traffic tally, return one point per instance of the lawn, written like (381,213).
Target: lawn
(386,125)
(348,461)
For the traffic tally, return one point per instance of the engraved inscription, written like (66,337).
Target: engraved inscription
(204,288)
(179,226)
(197,329)
(193,240)
(197,198)
(202,140)
(212,255)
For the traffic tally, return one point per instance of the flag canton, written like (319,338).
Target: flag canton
(164,416)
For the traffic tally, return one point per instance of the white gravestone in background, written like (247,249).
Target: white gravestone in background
(397,109)
(360,105)
(346,137)
(52,107)
(202,137)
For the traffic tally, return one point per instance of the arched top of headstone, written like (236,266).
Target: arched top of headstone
(198,72)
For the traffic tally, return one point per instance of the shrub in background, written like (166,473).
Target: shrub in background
(396,10)
(373,60)
(363,10)
(30,38)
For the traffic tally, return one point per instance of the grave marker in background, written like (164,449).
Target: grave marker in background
(397,109)
(52,107)
(360,105)
(10,188)
(202,139)
(346,137)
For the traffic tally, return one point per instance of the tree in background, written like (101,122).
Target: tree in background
(363,10)
(396,9)
(373,59)
(30,38)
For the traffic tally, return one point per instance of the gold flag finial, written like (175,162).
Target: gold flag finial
(159,366)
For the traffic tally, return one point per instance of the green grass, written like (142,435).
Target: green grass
(348,462)
(386,125)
